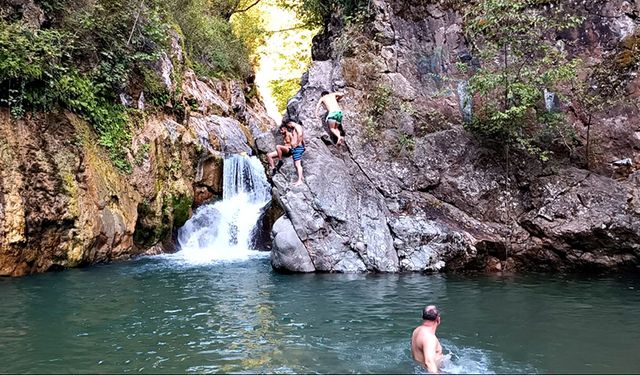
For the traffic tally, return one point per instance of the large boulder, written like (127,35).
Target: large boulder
(291,255)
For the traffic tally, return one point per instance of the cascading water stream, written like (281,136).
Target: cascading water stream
(223,230)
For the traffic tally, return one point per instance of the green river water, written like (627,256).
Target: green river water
(162,314)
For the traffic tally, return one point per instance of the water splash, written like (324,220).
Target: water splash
(469,360)
(222,231)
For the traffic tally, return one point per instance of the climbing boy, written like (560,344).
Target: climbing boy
(297,144)
(334,118)
(281,150)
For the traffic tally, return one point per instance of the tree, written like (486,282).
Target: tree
(519,62)
(227,8)
(601,91)
(315,13)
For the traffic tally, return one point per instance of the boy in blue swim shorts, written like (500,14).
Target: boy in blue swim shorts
(297,148)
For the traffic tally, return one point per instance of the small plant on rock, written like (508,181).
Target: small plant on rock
(405,144)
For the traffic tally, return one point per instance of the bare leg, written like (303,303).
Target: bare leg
(280,150)
(333,126)
(270,156)
(298,164)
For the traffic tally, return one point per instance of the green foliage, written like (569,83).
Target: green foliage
(211,43)
(250,29)
(156,93)
(115,37)
(90,52)
(111,121)
(405,144)
(39,63)
(31,55)
(282,90)
(370,127)
(81,63)
(519,64)
(142,153)
(181,209)
(380,100)
(314,13)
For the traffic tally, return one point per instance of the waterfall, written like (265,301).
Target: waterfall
(466,101)
(223,230)
(549,100)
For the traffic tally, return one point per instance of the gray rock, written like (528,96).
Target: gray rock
(238,102)
(436,199)
(623,162)
(223,131)
(126,100)
(208,101)
(289,253)
(176,46)
(338,207)
(164,67)
(400,86)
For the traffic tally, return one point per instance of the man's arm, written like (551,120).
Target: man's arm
(429,353)
(300,134)
(339,95)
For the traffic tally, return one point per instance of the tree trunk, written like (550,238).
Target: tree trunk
(506,78)
(588,148)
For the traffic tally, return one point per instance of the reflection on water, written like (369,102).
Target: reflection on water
(163,315)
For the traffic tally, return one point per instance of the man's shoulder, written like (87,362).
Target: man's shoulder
(423,331)
(419,331)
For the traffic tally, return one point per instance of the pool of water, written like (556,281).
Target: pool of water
(162,314)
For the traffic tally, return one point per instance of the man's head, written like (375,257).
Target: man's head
(283,128)
(325,92)
(431,314)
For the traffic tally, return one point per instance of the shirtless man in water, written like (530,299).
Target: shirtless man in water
(334,118)
(425,346)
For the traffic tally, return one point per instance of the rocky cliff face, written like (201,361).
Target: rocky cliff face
(419,193)
(63,204)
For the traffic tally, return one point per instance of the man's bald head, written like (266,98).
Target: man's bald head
(430,313)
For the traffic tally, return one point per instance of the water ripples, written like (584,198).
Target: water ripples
(159,315)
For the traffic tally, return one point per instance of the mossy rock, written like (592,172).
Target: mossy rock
(149,227)
(181,209)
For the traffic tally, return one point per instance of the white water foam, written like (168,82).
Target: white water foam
(223,231)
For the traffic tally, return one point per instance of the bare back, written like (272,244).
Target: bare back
(330,101)
(426,348)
